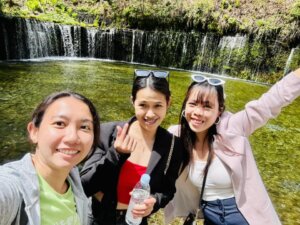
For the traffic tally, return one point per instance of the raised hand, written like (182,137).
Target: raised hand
(124,143)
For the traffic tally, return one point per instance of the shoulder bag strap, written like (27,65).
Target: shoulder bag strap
(155,157)
(170,154)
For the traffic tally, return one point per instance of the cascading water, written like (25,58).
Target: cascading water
(227,45)
(289,60)
(132,48)
(208,52)
(91,42)
(67,41)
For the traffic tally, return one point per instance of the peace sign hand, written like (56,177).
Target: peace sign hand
(124,143)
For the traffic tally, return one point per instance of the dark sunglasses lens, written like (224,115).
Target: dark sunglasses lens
(142,73)
(199,78)
(160,74)
(215,81)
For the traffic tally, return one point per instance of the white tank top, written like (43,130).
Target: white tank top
(218,183)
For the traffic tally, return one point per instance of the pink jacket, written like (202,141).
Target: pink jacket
(233,148)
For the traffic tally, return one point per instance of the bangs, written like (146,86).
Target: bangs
(204,93)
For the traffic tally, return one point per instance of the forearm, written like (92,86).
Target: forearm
(268,106)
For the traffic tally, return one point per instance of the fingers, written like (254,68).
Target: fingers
(124,143)
(145,209)
(121,134)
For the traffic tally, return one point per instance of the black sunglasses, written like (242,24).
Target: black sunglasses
(147,73)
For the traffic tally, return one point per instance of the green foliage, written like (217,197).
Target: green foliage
(96,22)
(232,21)
(296,59)
(258,17)
(34,5)
(295,10)
(225,4)
(70,11)
(237,3)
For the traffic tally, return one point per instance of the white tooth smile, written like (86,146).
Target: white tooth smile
(198,121)
(68,152)
(150,121)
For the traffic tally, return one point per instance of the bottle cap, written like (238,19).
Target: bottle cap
(145,179)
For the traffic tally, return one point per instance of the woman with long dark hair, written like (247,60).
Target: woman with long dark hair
(222,167)
(130,148)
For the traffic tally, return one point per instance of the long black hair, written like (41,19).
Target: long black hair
(186,134)
(157,84)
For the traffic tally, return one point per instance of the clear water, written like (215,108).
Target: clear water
(137,197)
(276,146)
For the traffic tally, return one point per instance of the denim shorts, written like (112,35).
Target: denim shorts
(222,212)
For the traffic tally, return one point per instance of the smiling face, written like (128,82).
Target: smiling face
(201,109)
(65,135)
(150,108)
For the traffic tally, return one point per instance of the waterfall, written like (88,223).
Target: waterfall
(92,42)
(288,62)
(227,45)
(206,52)
(67,40)
(5,41)
(132,46)
(203,46)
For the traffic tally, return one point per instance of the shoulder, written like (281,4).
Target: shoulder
(164,138)
(11,193)
(19,172)
(107,129)
(111,125)
(11,180)
(76,182)
(174,129)
(174,140)
(167,134)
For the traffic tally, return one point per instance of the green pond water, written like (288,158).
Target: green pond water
(23,85)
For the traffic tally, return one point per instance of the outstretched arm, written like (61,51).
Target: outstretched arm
(268,106)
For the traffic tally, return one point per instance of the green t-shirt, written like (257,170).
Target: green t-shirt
(57,209)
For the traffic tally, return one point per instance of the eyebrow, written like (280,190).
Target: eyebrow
(203,102)
(66,118)
(144,101)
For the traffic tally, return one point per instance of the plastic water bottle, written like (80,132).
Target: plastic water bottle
(140,192)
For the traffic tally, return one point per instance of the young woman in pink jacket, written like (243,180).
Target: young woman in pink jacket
(217,141)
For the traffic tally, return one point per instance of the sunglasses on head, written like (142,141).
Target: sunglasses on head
(147,73)
(212,81)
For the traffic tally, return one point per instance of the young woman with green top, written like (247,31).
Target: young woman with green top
(44,187)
